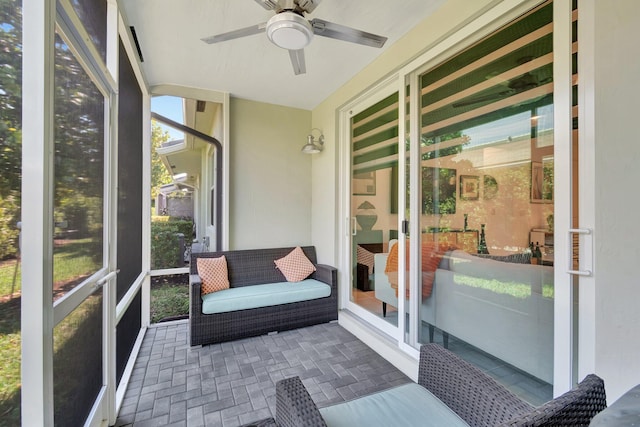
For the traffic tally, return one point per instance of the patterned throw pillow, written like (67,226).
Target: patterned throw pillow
(295,266)
(214,274)
(365,257)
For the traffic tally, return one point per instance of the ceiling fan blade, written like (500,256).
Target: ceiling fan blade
(268,4)
(481,98)
(307,5)
(235,34)
(297,60)
(336,31)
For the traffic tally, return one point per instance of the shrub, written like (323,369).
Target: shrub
(165,243)
(9,217)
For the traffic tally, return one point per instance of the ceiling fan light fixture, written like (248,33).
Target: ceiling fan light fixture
(289,30)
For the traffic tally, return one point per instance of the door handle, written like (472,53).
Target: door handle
(584,232)
(102,281)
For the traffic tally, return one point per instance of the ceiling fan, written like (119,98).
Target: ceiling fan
(520,84)
(289,30)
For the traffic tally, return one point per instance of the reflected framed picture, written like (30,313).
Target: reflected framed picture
(469,187)
(364,183)
(542,181)
(490,187)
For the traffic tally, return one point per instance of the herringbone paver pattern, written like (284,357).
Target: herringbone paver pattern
(231,384)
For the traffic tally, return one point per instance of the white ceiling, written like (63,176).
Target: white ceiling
(169,32)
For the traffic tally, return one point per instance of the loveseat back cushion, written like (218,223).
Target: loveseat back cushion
(270,294)
(405,405)
(295,266)
(253,266)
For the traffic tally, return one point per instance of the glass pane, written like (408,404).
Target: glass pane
(77,362)
(93,15)
(10,199)
(487,204)
(374,204)
(79,173)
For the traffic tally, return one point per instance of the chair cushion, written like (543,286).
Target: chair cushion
(365,257)
(214,274)
(270,294)
(295,266)
(405,405)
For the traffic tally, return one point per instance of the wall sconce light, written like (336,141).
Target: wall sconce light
(313,147)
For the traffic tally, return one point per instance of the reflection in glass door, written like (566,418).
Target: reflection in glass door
(374,207)
(485,187)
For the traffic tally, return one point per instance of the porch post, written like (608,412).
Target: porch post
(37,212)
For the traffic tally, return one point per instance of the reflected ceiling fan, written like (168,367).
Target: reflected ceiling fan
(289,30)
(520,84)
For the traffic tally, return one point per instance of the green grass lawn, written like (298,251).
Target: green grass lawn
(169,298)
(10,366)
(72,261)
(7,270)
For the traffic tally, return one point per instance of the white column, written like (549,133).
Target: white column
(37,212)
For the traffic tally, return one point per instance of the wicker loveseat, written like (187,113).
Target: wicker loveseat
(450,392)
(256,267)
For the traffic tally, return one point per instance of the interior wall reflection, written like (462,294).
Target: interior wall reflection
(374,159)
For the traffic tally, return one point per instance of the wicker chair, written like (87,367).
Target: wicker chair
(477,398)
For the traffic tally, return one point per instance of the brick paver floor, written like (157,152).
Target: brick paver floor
(233,383)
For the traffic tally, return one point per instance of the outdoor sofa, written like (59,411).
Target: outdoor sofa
(450,392)
(255,280)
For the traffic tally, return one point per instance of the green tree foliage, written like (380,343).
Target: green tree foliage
(159,173)
(10,123)
(79,147)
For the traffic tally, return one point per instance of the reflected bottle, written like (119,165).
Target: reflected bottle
(482,246)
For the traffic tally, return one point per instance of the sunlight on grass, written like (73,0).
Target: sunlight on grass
(10,366)
(169,300)
(73,261)
(515,289)
(7,270)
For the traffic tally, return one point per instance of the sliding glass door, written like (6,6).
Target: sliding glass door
(373,220)
(459,202)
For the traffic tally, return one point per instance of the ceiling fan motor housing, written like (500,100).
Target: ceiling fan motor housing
(289,30)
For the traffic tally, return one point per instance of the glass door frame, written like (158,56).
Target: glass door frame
(346,226)
(477,28)
(42,19)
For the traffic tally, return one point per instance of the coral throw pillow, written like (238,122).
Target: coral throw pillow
(214,275)
(295,266)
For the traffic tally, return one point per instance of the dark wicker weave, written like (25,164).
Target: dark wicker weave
(473,395)
(294,406)
(254,267)
(574,408)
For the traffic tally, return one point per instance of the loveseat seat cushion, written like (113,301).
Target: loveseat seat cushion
(270,294)
(405,405)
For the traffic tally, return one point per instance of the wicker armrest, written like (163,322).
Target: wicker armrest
(473,395)
(195,296)
(327,274)
(294,406)
(574,408)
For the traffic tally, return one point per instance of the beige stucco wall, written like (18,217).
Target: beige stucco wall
(270,183)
